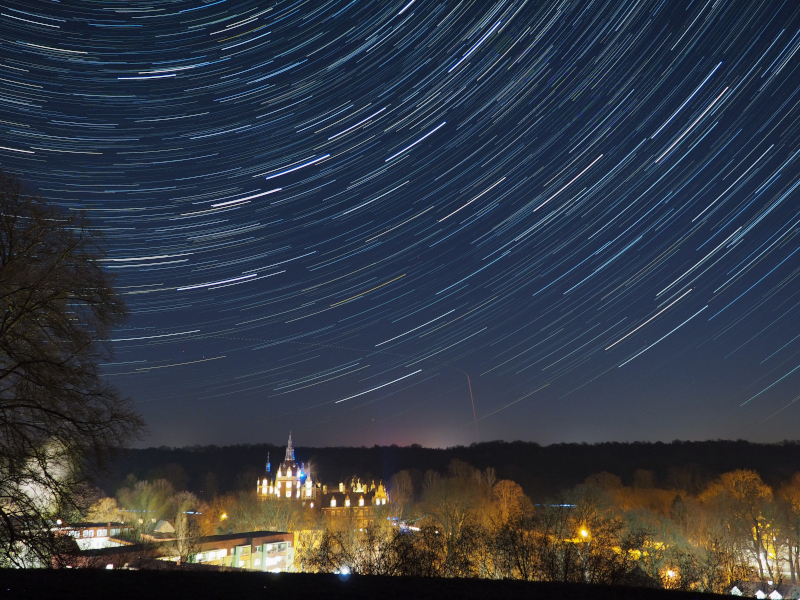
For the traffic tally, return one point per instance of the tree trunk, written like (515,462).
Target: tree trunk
(759,553)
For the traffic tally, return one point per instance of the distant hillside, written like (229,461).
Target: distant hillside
(542,471)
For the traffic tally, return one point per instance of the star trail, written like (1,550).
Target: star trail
(435,222)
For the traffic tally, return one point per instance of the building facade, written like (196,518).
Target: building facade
(256,550)
(359,502)
(92,536)
(356,501)
(291,481)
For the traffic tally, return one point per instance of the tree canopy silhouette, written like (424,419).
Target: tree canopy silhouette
(58,416)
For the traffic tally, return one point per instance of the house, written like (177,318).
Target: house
(163,527)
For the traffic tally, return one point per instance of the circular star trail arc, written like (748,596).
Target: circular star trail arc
(344,217)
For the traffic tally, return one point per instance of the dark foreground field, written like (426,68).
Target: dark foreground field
(147,585)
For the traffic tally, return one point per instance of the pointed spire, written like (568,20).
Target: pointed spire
(289,449)
(268,467)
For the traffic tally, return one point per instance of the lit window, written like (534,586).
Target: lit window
(312,505)
(279,485)
(361,501)
(288,493)
(347,501)
(333,502)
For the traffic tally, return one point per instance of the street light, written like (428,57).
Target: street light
(587,539)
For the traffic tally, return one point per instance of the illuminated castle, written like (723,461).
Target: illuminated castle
(355,500)
(293,480)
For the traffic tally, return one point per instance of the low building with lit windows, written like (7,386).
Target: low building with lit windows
(255,550)
(92,536)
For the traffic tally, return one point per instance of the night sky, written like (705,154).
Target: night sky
(326,216)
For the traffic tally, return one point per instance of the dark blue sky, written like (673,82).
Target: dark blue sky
(326,215)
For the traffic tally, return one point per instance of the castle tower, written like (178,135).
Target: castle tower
(289,449)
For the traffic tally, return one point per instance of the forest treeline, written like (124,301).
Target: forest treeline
(541,471)
(467,523)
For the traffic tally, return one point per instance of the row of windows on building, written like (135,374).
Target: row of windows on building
(241,553)
(90,533)
(378,502)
